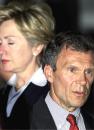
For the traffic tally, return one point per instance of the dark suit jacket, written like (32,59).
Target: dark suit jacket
(89,105)
(21,112)
(42,119)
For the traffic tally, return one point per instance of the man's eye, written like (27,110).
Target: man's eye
(72,69)
(89,72)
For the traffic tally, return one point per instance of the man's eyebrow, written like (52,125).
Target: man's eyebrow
(90,68)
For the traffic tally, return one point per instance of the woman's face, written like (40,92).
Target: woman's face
(15,51)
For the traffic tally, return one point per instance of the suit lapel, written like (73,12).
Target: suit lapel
(27,99)
(88,120)
(32,93)
(43,120)
(5,94)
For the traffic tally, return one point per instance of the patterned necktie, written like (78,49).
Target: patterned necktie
(72,120)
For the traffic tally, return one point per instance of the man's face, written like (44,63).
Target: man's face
(71,82)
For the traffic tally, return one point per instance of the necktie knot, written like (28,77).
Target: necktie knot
(72,120)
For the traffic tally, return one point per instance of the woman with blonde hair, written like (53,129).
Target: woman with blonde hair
(25,30)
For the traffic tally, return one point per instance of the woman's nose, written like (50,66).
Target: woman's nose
(2,49)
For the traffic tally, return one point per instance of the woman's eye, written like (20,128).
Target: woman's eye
(0,43)
(10,43)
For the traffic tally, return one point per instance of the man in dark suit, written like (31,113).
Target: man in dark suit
(69,67)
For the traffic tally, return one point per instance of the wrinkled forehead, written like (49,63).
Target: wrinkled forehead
(73,55)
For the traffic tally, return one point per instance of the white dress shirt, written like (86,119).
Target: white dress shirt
(38,78)
(59,115)
(12,80)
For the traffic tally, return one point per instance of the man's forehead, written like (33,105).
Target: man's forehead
(76,55)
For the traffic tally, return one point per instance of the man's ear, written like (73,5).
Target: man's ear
(48,71)
(37,49)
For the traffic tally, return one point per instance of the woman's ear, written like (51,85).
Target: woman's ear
(48,71)
(37,49)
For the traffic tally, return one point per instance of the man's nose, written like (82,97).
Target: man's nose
(83,79)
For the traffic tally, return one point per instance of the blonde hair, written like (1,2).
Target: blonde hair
(35,21)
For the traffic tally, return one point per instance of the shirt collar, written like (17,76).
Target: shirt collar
(38,78)
(12,80)
(59,113)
